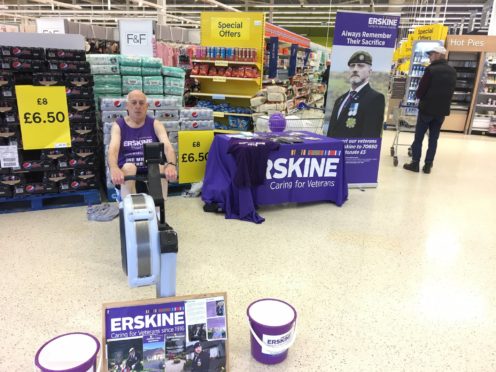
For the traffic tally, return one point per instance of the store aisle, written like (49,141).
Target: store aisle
(401,278)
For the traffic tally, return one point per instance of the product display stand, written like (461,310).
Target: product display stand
(472,107)
(465,65)
(484,118)
(48,177)
(229,71)
(215,86)
(304,85)
(315,69)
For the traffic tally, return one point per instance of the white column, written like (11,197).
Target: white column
(492,23)
(161,16)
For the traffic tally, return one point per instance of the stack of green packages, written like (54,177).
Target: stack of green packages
(131,73)
(130,61)
(104,64)
(152,76)
(130,65)
(105,70)
(153,85)
(131,82)
(173,80)
(151,66)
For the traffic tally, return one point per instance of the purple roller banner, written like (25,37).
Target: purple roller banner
(361,62)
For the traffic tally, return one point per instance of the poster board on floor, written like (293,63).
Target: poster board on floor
(164,333)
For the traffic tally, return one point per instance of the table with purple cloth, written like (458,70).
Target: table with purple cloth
(310,171)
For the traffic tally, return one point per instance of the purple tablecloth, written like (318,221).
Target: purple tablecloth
(301,172)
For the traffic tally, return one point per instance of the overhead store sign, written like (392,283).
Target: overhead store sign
(427,32)
(274,51)
(471,43)
(407,50)
(51,25)
(285,35)
(232,29)
(136,37)
(430,32)
(292,60)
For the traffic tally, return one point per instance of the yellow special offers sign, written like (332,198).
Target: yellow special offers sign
(237,29)
(193,154)
(430,32)
(232,29)
(44,117)
(405,49)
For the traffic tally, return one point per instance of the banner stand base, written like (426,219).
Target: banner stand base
(362,185)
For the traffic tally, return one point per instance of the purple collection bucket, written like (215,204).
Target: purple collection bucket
(72,352)
(273,329)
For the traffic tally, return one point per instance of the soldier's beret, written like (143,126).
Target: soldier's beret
(360,57)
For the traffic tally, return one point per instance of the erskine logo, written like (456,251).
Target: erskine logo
(147,321)
(383,21)
(282,340)
(136,143)
(301,168)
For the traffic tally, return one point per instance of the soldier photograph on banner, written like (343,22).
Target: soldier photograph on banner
(361,62)
(359,85)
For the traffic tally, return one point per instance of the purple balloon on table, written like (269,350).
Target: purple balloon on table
(277,122)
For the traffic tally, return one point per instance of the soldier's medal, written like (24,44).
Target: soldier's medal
(353,110)
(351,122)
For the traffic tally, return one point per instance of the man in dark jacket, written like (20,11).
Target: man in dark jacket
(201,359)
(435,91)
(359,112)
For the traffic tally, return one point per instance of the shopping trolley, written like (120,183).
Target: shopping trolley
(302,118)
(404,119)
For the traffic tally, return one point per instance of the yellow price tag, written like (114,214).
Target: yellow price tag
(221,63)
(193,154)
(219,79)
(44,117)
(218,114)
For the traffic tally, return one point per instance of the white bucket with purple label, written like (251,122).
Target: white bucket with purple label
(273,329)
(72,352)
